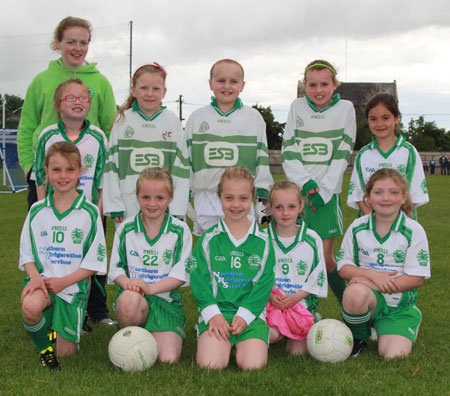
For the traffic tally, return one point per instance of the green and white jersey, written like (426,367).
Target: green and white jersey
(230,277)
(217,140)
(138,143)
(301,265)
(404,249)
(91,143)
(402,156)
(317,144)
(61,243)
(135,255)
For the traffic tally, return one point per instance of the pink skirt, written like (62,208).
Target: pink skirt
(293,323)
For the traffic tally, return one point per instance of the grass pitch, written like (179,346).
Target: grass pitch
(424,372)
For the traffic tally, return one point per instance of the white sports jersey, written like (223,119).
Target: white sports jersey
(402,156)
(92,145)
(217,141)
(404,249)
(60,244)
(300,266)
(317,144)
(137,143)
(135,255)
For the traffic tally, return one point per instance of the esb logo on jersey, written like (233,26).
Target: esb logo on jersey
(221,154)
(316,149)
(144,157)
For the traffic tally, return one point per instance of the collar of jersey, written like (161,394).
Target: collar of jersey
(396,225)
(62,128)
(75,205)
(252,230)
(335,98)
(301,234)
(237,106)
(139,227)
(398,142)
(136,108)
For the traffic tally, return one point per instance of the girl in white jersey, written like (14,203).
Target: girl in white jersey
(385,258)
(148,261)
(144,134)
(231,279)
(72,103)
(300,272)
(317,144)
(224,134)
(61,246)
(388,149)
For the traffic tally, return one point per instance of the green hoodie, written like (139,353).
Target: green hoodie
(39,112)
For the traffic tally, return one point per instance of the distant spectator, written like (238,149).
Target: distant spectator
(432,166)
(442,163)
(425,166)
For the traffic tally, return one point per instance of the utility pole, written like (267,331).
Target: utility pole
(131,50)
(180,107)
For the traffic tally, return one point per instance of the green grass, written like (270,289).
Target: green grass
(424,372)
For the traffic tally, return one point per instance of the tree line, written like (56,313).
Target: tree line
(424,135)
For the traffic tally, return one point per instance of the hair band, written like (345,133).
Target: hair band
(155,65)
(320,64)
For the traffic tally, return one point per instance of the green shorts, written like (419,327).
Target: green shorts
(404,321)
(257,329)
(327,220)
(66,318)
(162,315)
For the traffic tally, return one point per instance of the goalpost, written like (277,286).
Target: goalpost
(10,162)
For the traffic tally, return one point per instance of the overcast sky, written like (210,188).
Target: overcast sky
(368,41)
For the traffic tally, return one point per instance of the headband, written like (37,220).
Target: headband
(155,65)
(322,65)
(154,170)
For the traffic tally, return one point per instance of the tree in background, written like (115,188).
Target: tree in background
(13,106)
(274,128)
(426,136)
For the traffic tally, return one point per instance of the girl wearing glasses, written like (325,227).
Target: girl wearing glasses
(72,37)
(72,103)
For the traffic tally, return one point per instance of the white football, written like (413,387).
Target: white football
(133,349)
(330,340)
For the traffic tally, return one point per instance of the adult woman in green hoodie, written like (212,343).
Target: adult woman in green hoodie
(71,38)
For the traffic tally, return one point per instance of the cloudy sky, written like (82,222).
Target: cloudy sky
(368,41)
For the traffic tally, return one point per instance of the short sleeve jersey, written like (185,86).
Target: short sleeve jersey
(138,143)
(217,140)
(61,243)
(402,156)
(92,145)
(135,255)
(232,277)
(317,144)
(300,266)
(404,249)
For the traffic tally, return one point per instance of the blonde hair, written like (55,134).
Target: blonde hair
(67,23)
(237,173)
(284,185)
(154,68)
(155,173)
(67,150)
(229,61)
(60,90)
(389,173)
(320,64)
